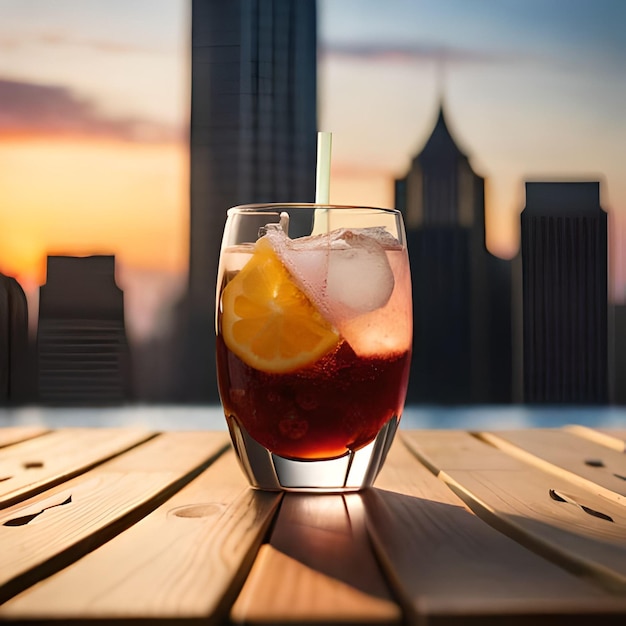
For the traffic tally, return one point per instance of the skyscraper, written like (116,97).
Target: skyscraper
(15,371)
(253,139)
(619,354)
(82,350)
(462,340)
(564,260)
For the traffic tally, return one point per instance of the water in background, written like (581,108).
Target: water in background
(212,418)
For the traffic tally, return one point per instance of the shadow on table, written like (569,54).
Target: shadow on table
(434,558)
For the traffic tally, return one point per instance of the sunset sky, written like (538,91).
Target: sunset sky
(94,109)
(94,99)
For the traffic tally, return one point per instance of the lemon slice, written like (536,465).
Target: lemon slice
(268,322)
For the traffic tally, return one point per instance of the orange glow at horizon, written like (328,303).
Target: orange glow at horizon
(92,196)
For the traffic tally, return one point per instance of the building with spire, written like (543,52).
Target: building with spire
(463,342)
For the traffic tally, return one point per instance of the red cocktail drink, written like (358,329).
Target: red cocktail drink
(313,340)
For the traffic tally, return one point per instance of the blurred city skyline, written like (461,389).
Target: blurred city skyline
(94,113)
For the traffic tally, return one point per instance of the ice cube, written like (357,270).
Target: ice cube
(359,278)
(345,272)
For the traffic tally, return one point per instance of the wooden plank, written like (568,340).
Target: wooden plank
(448,566)
(543,511)
(317,568)
(619,433)
(55,528)
(32,466)
(184,560)
(588,464)
(611,438)
(14,434)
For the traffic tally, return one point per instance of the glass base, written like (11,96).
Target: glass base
(351,472)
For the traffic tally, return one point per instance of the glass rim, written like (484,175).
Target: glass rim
(273,206)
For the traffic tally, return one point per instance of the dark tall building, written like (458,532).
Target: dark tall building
(619,356)
(564,260)
(253,139)
(15,379)
(82,351)
(462,342)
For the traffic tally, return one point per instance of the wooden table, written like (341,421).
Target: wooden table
(115,525)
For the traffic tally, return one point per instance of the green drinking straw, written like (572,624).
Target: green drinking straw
(322,173)
(322,182)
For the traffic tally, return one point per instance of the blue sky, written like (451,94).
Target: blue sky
(584,30)
(531,89)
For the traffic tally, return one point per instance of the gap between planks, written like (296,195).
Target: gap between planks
(103,502)
(185,560)
(32,466)
(615,439)
(318,567)
(514,497)
(10,435)
(583,461)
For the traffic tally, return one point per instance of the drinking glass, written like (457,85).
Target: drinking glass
(314,331)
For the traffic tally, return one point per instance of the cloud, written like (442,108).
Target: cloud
(35,109)
(417,52)
(9,41)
